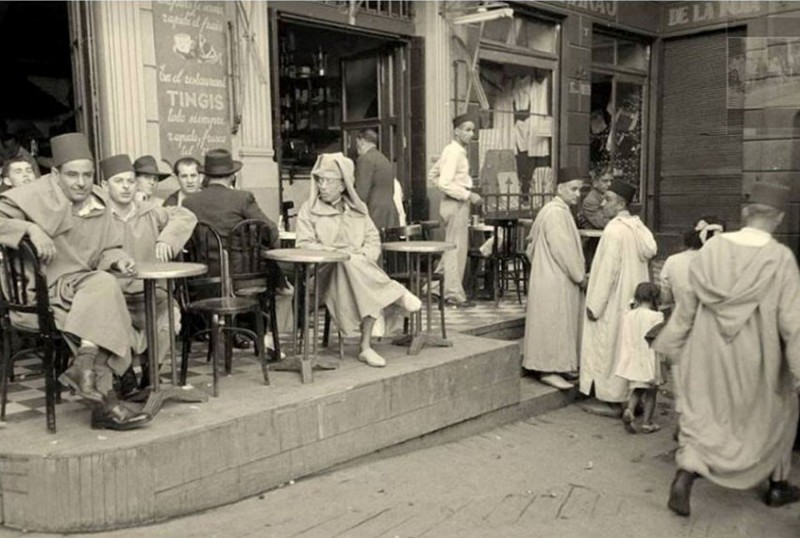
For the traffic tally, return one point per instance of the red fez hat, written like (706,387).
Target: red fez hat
(771,194)
(70,147)
(571,173)
(116,164)
(623,189)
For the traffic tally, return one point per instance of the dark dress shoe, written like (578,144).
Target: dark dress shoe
(118,418)
(781,493)
(240,342)
(681,492)
(82,383)
(128,385)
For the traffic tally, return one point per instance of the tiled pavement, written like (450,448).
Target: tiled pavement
(26,394)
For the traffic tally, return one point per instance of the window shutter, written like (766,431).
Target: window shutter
(701,137)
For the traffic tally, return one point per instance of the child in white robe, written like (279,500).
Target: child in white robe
(638,363)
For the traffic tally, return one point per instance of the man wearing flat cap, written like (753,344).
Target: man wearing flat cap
(65,216)
(619,265)
(557,279)
(736,335)
(147,177)
(451,176)
(150,234)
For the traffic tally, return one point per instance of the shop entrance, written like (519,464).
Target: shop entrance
(37,98)
(332,83)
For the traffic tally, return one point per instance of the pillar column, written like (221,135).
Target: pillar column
(120,69)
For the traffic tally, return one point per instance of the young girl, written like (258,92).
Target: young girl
(637,362)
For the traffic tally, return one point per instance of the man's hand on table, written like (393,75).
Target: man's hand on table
(163,252)
(475,199)
(126,266)
(44,245)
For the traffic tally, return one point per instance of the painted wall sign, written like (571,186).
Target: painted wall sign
(193,103)
(606,10)
(682,15)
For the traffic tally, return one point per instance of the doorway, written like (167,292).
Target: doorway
(332,83)
(36,98)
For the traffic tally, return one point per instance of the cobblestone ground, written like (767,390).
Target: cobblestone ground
(562,474)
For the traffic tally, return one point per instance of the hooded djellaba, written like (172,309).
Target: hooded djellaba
(334,218)
(736,338)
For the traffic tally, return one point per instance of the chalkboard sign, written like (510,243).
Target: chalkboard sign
(193,107)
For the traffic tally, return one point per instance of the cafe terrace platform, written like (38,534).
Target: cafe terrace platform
(255,437)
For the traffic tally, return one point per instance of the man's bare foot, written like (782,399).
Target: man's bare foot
(628,421)
(652,427)
(603,409)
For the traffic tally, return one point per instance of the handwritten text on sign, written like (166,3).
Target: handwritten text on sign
(190,41)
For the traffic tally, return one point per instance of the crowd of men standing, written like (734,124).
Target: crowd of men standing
(733,337)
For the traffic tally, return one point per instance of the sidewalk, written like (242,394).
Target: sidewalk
(563,474)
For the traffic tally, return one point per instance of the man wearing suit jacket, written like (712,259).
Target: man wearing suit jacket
(221,205)
(375,180)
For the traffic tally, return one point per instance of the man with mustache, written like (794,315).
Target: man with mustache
(66,218)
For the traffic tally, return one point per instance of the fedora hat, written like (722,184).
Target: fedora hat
(220,163)
(147,164)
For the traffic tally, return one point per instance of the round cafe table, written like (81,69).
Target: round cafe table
(307,262)
(417,250)
(151,273)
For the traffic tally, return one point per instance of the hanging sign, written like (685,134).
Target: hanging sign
(191,70)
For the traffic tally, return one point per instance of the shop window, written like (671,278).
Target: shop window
(513,154)
(525,33)
(616,127)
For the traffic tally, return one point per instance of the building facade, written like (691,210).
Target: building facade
(691,101)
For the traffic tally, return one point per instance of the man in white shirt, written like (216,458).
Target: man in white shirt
(455,182)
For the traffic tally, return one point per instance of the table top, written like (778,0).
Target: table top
(423,247)
(591,233)
(482,227)
(287,235)
(156,270)
(305,255)
(501,221)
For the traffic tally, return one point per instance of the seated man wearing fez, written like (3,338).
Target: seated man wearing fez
(149,234)
(334,218)
(66,218)
(223,206)
(187,170)
(147,177)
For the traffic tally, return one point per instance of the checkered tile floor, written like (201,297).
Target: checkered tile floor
(26,394)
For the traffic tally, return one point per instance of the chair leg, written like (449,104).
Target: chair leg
(186,348)
(217,347)
(50,385)
(326,330)
(441,316)
(228,336)
(260,347)
(5,368)
(58,361)
(273,324)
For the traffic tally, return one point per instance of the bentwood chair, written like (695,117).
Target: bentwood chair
(251,274)
(212,295)
(26,315)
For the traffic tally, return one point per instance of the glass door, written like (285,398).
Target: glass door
(373,97)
